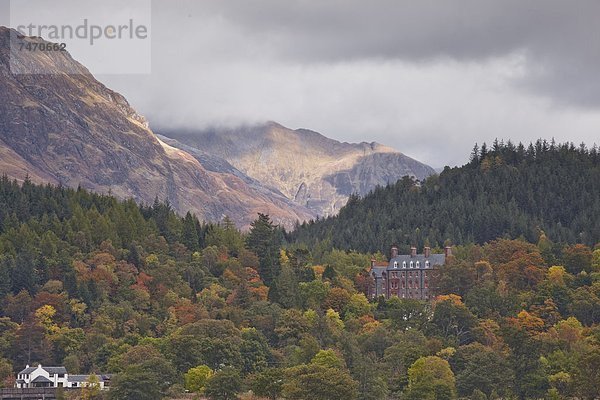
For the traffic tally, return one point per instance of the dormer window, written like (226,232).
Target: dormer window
(403,264)
(426,264)
(418,264)
(395,264)
(411,264)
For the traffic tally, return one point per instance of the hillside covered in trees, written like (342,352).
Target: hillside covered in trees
(504,191)
(168,304)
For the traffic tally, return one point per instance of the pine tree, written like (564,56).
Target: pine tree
(189,236)
(264,240)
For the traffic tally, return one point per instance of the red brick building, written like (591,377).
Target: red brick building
(406,276)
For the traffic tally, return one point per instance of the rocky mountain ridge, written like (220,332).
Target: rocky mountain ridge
(69,129)
(58,124)
(312,170)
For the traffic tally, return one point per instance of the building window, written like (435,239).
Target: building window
(403,264)
(411,264)
(426,264)
(418,264)
(395,264)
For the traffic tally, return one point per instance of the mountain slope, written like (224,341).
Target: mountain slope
(308,168)
(509,191)
(72,130)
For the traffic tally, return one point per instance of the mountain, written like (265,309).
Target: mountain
(312,170)
(507,191)
(70,129)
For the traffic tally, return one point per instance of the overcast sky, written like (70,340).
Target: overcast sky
(429,78)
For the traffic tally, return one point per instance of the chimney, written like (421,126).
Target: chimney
(413,251)
(394,251)
(448,251)
(427,251)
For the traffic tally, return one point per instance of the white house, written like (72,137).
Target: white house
(80,381)
(33,377)
(40,377)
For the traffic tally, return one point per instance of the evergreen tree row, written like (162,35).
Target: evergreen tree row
(505,190)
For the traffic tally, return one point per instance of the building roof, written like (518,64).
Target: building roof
(378,270)
(434,259)
(50,370)
(84,378)
(55,370)
(41,379)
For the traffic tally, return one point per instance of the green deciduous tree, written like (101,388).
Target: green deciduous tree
(136,383)
(146,374)
(196,378)
(254,350)
(453,319)
(577,258)
(317,382)
(268,383)
(587,374)
(478,367)
(328,358)
(224,385)
(431,378)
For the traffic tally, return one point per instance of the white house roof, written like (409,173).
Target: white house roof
(42,379)
(50,370)
(55,370)
(84,378)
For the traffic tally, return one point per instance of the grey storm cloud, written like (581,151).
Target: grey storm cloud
(559,37)
(429,78)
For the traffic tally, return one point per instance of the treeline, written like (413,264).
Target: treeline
(170,304)
(504,191)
